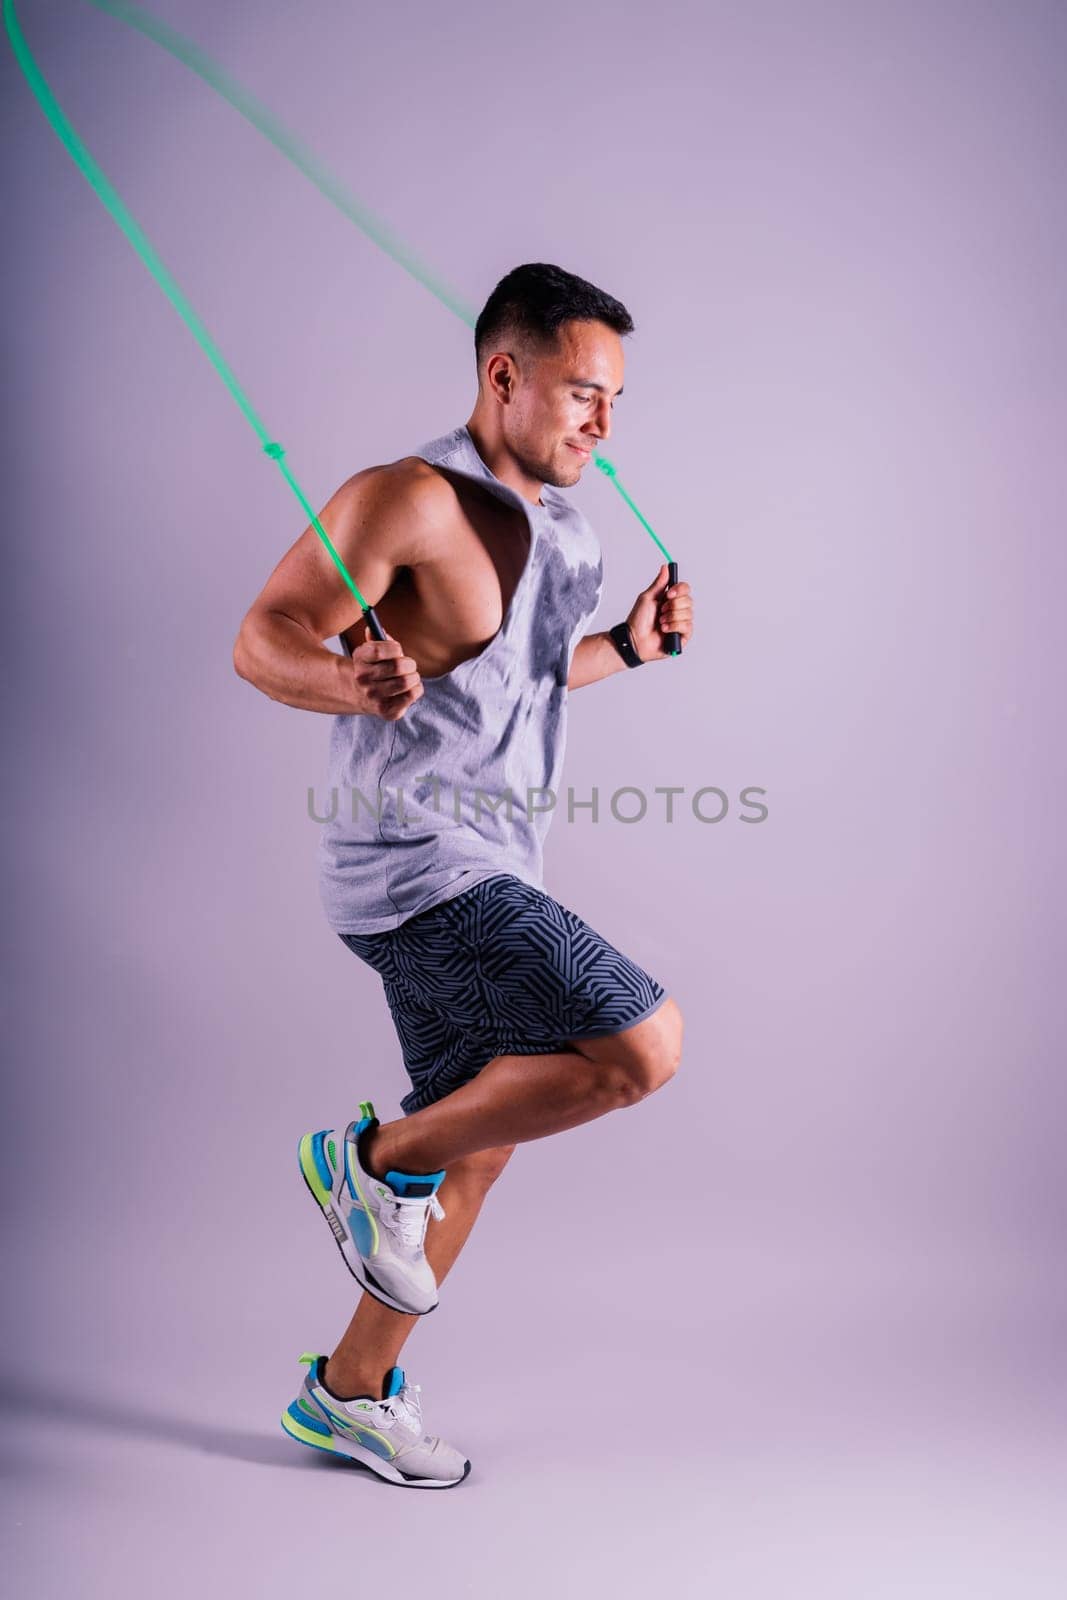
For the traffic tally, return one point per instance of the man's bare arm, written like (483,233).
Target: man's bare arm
(659,610)
(375,524)
(594,657)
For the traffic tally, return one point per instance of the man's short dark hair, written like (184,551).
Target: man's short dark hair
(533,301)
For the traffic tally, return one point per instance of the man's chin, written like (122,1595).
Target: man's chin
(564,477)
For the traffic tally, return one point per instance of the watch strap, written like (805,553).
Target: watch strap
(622,639)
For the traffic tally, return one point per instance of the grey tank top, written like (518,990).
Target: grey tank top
(461,786)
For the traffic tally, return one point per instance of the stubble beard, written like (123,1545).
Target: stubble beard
(548,472)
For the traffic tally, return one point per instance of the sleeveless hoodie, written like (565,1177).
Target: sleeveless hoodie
(418,809)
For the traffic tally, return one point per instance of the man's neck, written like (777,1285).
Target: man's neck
(502,463)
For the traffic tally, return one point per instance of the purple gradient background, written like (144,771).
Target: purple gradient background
(796,1325)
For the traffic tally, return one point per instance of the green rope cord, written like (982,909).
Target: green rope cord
(293,148)
(305,160)
(111,198)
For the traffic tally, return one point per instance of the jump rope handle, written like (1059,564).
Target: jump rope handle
(673,641)
(376,629)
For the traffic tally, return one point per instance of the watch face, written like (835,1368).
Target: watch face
(624,644)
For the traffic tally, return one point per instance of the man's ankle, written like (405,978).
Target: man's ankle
(370,1153)
(350,1384)
(378,1156)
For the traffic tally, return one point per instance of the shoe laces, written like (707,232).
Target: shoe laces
(405,1407)
(408,1217)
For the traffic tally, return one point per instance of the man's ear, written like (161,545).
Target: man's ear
(500,375)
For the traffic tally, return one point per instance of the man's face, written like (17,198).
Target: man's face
(561,408)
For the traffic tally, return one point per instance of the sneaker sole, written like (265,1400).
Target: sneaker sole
(343,1240)
(352,1454)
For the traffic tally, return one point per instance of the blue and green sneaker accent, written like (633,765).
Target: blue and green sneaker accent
(384,1434)
(378,1224)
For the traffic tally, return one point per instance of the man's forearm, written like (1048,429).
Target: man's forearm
(280,657)
(594,657)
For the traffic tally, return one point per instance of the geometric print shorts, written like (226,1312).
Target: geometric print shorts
(501,969)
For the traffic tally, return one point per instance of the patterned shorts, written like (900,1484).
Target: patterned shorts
(502,969)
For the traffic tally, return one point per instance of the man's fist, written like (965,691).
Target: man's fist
(657,611)
(387,681)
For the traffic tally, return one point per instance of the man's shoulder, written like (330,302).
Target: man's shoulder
(409,485)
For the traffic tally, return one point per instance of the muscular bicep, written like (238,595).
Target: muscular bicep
(376,524)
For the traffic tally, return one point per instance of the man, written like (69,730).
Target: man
(516,1019)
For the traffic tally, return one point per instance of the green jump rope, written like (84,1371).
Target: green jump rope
(291,147)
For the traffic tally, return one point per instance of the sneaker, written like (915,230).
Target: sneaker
(379,1223)
(385,1435)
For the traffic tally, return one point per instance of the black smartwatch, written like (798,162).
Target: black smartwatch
(622,639)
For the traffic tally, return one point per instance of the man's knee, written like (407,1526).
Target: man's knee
(657,1050)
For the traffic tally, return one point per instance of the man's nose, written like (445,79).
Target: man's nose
(602,419)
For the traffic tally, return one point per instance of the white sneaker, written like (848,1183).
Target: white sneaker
(385,1435)
(379,1223)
